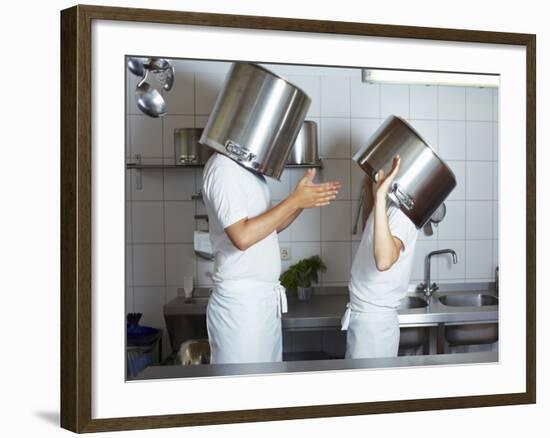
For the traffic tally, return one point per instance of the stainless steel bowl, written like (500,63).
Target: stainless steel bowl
(306,146)
(424,180)
(187,148)
(256,118)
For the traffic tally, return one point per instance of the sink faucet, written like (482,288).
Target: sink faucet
(426,287)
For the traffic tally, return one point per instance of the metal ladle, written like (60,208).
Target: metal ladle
(148,99)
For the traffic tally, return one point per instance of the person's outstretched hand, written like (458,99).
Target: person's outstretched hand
(308,194)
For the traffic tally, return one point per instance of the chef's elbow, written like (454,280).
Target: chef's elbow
(383,265)
(241,244)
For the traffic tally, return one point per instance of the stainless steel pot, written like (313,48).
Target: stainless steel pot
(187,148)
(424,180)
(256,118)
(306,146)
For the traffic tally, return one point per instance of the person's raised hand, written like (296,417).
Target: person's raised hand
(383,182)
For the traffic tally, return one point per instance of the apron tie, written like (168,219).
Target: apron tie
(282,304)
(346,317)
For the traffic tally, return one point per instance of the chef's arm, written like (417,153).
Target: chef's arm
(247,232)
(386,247)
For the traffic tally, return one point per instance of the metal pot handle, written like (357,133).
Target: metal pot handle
(404,199)
(238,152)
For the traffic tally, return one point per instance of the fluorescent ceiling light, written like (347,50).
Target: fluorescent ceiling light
(428,78)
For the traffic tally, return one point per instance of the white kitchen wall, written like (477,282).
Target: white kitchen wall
(461,123)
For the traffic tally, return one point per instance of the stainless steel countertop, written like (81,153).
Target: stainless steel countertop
(327,305)
(178,371)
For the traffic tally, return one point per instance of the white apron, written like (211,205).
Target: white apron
(244,322)
(372,331)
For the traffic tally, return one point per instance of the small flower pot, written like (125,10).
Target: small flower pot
(304,293)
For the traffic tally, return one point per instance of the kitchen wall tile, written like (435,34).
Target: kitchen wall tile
(180,262)
(459,170)
(129,301)
(495,104)
(128,184)
(148,265)
(335,138)
(129,266)
(279,189)
(179,217)
(171,123)
(479,180)
(307,226)
(365,98)
(495,220)
(150,302)
(335,221)
(479,259)
(423,102)
(337,257)
(335,96)
(452,140)
(479,219)
(451,103)
(179,184)
(302,250)
(147,222)
(181,98)
(479,103)
(357,181)
(128,222)
(205,269)
(428,130)
(361,131)
(496,183)
(496,143)
(151,185)
(479,141)
(338,170)
(422,248)
(208,85)
(496,260)
(453,226)
(145,136)
(394,100)
(311,85)
(171,293)
(447,269)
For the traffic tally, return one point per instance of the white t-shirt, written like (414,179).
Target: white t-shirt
(231,193)
(383,288)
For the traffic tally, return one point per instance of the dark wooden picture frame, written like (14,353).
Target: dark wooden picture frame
(76,217)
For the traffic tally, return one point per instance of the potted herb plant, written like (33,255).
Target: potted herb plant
(301,275)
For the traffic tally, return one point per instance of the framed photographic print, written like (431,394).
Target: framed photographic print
(155,271)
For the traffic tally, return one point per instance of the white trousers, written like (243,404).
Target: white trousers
(371,332)
(244,322)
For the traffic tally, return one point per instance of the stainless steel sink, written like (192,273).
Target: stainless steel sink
(470,334)
(412,303)
(468,300)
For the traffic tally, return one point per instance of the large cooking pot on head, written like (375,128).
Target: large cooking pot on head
(256,118)
(306,147)
(187,148)
(423,181)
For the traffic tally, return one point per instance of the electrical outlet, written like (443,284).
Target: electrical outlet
(285,253)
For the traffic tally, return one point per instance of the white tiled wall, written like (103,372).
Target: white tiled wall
(460,123)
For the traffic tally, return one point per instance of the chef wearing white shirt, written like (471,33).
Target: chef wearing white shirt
(380,273)
(247,300)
